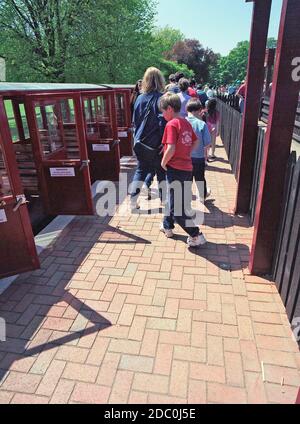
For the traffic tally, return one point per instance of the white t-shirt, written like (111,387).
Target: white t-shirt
(184,97)
(210,94)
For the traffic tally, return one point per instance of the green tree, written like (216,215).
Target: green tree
(76,40)
(194,56)
(169,67)
(233,67)
(115,48)
(272,43)
(164,39)
(43,29)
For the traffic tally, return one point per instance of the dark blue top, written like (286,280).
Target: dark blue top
(202,96)
(149,130)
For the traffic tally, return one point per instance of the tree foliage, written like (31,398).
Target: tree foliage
(105,41)
(195,56)
(169,67)
(43,30)
(233,67)
(46,40)
(164,40)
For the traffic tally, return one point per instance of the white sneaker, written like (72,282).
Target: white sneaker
(168,233)
(202,200)
(208,193)
(199,240)
(134,206)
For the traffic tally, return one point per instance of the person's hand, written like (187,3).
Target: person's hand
(164,167)
(161,149)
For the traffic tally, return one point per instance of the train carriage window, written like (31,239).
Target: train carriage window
(121,113)
(57,128)
(49,133)
(72,110)
(11,120)
(5,187)
(24,121)
(67,111)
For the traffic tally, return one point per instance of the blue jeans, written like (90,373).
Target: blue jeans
(199,176)
(149,179)
(145,168)
(178,201)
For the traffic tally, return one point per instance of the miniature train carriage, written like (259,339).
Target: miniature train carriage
(55,140)
(124,118)
(17,248)
(102,135)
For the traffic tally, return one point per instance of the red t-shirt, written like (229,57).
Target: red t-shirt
(192,92)
(180,132)
(242,90)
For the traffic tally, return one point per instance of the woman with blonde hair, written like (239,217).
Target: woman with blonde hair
(149,126)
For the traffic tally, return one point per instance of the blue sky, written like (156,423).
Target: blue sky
(218,24)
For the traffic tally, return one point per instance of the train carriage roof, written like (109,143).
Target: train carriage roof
(7,88)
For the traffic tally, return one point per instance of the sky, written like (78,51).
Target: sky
(218,24)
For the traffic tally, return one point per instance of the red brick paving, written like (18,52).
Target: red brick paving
(119,314)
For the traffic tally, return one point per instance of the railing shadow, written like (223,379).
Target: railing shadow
(228,257)
(26,304)
(216,218)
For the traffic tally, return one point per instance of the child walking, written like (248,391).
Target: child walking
(179,140)
(194,108)
(212,118)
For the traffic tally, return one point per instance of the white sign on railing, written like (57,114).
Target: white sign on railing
(62,172)
(3,217)
(101,148)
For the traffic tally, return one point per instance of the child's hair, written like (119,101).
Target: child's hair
(183,84)
(193,105)
(212,107)
(172,78)
(170,99)
(178,76)
(153,81)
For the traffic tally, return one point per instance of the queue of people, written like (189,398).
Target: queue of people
(173,130)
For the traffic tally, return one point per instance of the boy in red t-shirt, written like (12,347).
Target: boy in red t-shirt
(179,140)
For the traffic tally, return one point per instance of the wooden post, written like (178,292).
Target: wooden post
(283,106)
(255,79)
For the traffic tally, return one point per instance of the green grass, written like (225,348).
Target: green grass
(12,122)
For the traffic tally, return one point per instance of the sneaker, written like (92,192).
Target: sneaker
(208,193)
(190,213)
(212,158)
(134,206)
(168,233)
(199,240)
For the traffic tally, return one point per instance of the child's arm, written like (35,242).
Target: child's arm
(169,153)
(206,140)
(206,152)
(196,144)
(218,125)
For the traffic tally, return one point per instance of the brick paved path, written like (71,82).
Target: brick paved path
(120,314)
